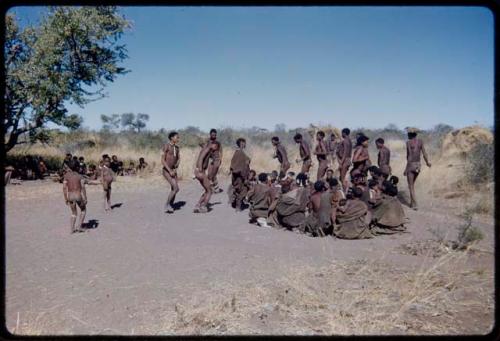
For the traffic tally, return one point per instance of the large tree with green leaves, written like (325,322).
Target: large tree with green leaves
(68,58)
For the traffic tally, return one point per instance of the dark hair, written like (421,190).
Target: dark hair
(252,171)
(263,177)
(332,182)
(380,140)
(357,192)
(172,134)
(68,154)
(238,141)
(81,158)
(346,131)
(74,157)
(104,156)
(74,166)
(302,179)
(292,174)
(213,131)
(141,159)
(372,183)
(285,187)
(412,135)
(361,139)
(321,133)
(329,170)
(297,136)
(394,180)
(319,186)
(274,173)
(275,138)
(390,189)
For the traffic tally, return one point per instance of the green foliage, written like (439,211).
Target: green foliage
(110,122)
(69,57)
(133,121)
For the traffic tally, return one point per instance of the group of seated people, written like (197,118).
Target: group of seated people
(28,168)
(92,172)
(367,208)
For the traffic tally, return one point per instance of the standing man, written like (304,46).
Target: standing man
(75,195)
(414,148)
(199,173)
(321,153)
(384,158)
(281,155)
(361,157)
(304,152)
(240,168)
(170,161)
(216,160)
(331,146)
(344,153)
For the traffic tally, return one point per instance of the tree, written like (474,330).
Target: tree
(110,122)
(133,121)
(68,58)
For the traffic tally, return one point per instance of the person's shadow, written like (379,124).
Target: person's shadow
(118,205)
(403,198)
(178,205)
(91,224)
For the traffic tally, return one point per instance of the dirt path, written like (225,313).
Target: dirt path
(138,261)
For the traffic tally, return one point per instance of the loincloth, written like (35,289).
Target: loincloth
(413,167)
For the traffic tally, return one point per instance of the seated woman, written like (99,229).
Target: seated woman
(351,218)
(388,216)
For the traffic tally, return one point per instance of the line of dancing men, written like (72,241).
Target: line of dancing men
(359,208)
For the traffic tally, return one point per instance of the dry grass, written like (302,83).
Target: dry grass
(364,297)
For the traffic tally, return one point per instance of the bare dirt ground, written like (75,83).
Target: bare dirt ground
(141,271)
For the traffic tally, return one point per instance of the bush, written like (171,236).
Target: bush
(479,164)
(468,234)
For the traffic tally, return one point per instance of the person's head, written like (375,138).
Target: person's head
(105,156)
(274,175)
(114,158)
(297,138)
(241,143)
(81,159)
(302,179)
(372,183)
(74,166)
(333,183)
(357,179)
(379,142)
(320,135)
(285,187)
(412,135)
(252,174)
(389,189)
(173,137)
(346,132)
(275,140)
(374,171)
(362,140)
(394,180)
(213,134)
(263,178)
(357,192)
(75,158)
(92,167)
(329,173)
(141,160)
(333,137)
(68,156)
(290,175)
(319,186)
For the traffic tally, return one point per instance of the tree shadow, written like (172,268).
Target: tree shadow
(178,205)
(118,205)
(91,224)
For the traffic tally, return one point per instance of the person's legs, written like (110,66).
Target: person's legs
(412,177)
(208,191)
(83,211)
(72,205)
(322,167)
(174,189)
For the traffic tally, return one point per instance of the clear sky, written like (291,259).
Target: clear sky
(347,66)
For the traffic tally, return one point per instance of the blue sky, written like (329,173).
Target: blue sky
(347,66)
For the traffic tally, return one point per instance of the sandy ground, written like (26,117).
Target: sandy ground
(138,262)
